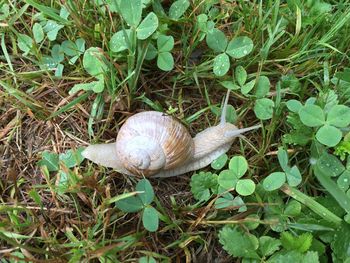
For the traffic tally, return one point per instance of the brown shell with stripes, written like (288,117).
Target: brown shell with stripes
(151,141)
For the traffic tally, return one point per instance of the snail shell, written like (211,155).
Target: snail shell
(151,141)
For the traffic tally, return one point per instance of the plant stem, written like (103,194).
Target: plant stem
(141,54)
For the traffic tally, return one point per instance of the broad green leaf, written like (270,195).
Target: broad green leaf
(165,43)
(130,204)
(293,176)
(80,43)
(299,243)
(330,165)
(221,64)
(48,63)
(25,43)
(339,116)
(148,194)
(147,259)
(147,27)
(131,11)
(329,135)
(70,48)
(282,156)
(38,33)
(59,70)
(51,29)
(290,81)
(72,158)
(345,75)
(165,61)
(239,47)
(150,218)
(227,179)
(294,105)
(95,86)
(216,40)
(312,115)
(202,22)
(238,202)
(274,181)
(229,85)
(344,180)
(94,62)
(50,160)
(240,75)
(330,98)
(178,8)
(310,101)
(246,88)
(289,256)
(245,187)
(341,243)
(238,165)
(268,245)
(293,208)
(225,201)
(231,114)
(253,224)
(118,42)
(262,87)
(237,243)
(263,108)
(219,162)
(210,26)
(64,13)
(203,184)
(57,53)
(151,52)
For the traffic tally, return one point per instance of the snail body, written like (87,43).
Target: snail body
(154,144)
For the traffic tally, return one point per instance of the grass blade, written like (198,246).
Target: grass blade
(311,203)
(332,188)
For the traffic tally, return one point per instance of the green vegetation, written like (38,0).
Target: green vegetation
(71,72)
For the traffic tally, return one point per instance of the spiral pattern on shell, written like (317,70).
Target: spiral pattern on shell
(152,141)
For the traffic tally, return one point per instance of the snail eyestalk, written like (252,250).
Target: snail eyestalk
(224,109)
(237,132)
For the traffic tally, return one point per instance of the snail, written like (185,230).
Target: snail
(153,144)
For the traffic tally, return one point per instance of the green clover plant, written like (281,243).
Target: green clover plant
(165,60)
(62,164)
(142,202)
(252,249)
(205,184)
(237,48)
(263,107)
(126,39)
(291,175)
(326,122)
